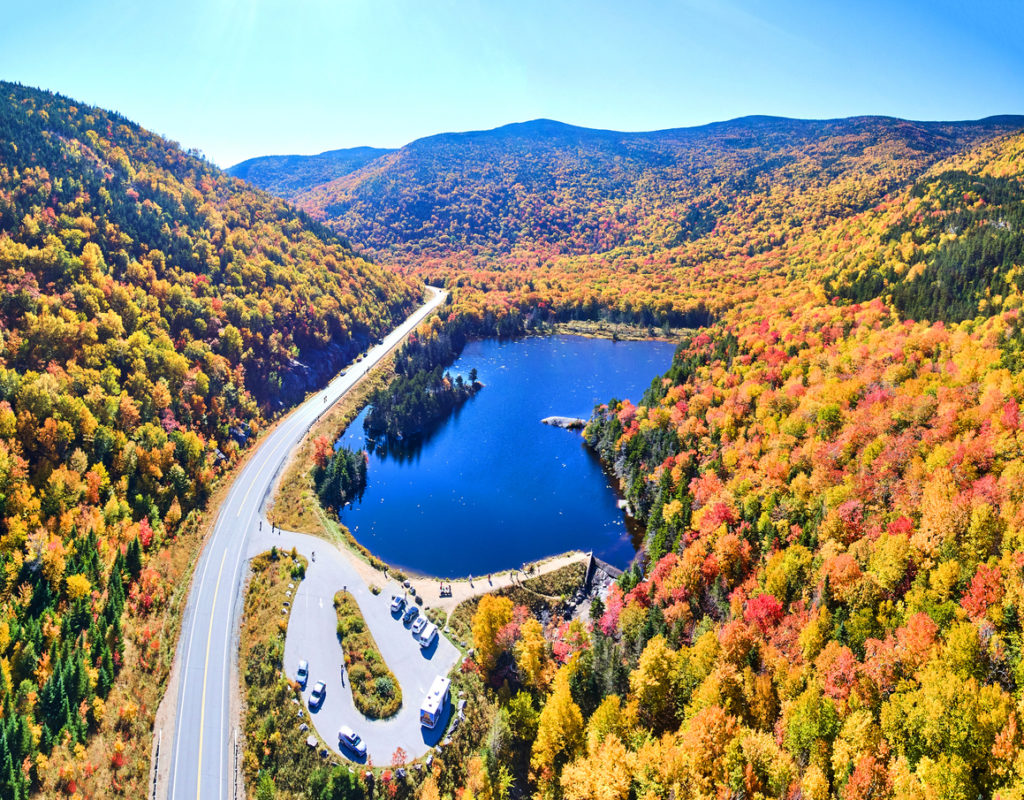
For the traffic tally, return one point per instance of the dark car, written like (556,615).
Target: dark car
(316,697)
(411,613)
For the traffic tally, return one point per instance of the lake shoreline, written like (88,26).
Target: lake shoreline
(490,487)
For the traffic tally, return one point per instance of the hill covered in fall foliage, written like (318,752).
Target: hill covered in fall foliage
(155,314)
(286,176)
(828,602)
(540,189)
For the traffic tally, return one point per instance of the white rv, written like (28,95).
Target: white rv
(433,704)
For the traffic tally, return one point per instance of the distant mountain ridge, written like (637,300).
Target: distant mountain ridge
(546,188)
(286,175)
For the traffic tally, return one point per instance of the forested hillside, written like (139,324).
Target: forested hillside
(538,190)
(827,604)
(155,314)
(287,176)
(829,600)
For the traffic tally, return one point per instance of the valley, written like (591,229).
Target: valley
(816,427)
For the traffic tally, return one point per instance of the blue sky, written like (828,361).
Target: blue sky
(240,78)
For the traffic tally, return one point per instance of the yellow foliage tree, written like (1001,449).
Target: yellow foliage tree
(651,683)
(605,774)
(491,616)
(532,656)
(605,721)
(78,587)
(941,520)
(559,734)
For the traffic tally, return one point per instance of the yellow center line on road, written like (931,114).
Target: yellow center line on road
(206,669)
(283,443)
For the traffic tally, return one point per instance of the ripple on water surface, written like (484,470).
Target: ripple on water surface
(492,488)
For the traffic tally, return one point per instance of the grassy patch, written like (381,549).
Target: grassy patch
(375,689)
(275,752)
(561,582)
(437,616)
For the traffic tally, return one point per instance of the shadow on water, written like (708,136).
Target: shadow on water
(636,529)
(407,450)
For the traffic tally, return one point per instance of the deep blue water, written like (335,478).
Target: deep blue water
(492,488)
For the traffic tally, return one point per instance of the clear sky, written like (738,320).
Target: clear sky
(240,78)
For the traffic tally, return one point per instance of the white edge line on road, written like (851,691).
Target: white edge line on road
(282,440)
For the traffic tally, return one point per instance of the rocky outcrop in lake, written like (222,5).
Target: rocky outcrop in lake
(569,423)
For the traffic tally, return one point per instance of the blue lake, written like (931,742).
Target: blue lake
(492,487)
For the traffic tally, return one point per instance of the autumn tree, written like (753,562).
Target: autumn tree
(559,734)
(492,614)
(532,656)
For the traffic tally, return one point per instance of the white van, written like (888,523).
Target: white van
(428,635)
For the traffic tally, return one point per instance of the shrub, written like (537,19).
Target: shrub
(375,691)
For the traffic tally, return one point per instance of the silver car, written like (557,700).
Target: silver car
(316,697)
(350,739)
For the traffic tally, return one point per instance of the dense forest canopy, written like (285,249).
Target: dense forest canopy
(543,189)
(828,599)
(286,176)
(155,314)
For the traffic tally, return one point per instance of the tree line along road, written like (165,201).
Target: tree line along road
(200,755)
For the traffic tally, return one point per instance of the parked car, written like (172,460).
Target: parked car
(397,603)
(302,673)
(316,697)
(411,613)
(419,625)
(350,739)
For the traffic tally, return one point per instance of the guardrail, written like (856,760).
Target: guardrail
(156,763)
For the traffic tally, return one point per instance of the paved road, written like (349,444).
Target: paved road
(311,636)
(201,749)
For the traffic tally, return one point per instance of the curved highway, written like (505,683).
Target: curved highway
(200,752)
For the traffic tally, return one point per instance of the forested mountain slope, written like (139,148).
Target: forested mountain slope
(287,176)
(828,602)
(831,604)
(542,189)
(154,314)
